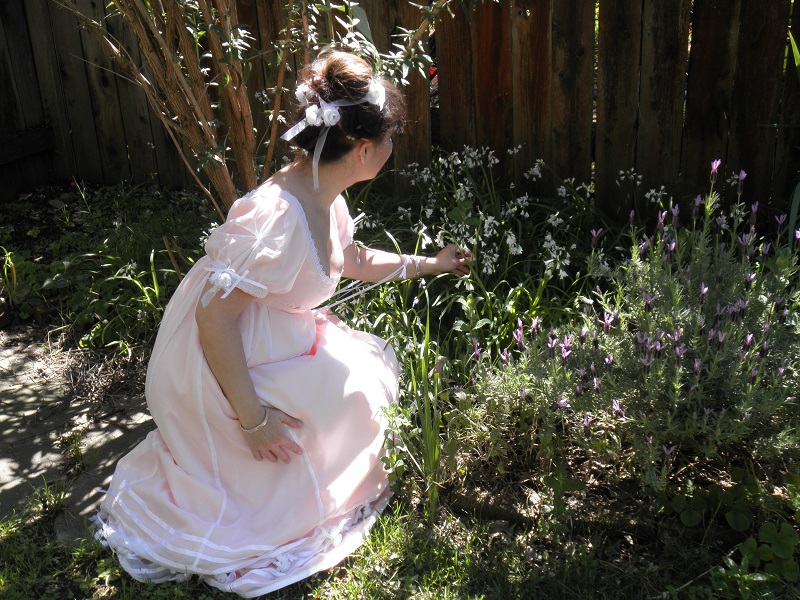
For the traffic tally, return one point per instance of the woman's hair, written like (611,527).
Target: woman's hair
(337,75)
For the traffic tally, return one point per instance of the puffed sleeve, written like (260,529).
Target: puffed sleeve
(344,221)
(259,249)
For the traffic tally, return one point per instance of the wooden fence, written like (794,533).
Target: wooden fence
(658,86)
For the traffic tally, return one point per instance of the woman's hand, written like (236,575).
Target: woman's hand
(451,258)
(272,441)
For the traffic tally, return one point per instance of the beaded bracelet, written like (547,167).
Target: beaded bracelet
(260,425)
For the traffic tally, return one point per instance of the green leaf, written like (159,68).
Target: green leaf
(740,518)
(795,52)
(765,552)
(690,517)
(749,549)
(790,570)
(361,22)
(679,503)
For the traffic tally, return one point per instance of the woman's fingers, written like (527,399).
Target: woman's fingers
(289,420)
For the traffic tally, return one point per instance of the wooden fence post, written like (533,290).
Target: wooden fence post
(573,85)
(712,62)
(662,81)
(454,59)
(531,74)
(619,51)
(787,172)
(759,70)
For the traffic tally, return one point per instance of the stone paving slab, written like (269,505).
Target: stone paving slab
(40,419)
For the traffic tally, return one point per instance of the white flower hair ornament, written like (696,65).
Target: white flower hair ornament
(304,94)
(326,115)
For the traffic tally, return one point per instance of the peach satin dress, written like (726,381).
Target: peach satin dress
(191,499)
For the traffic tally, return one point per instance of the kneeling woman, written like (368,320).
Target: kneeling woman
(266,464)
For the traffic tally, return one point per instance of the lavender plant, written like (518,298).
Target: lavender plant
(684,360)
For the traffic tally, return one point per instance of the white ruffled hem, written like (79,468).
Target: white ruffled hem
(323,548)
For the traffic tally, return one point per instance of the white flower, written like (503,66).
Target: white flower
(313,115)
(222,280)
(303,93)
(376,94)
(330,115)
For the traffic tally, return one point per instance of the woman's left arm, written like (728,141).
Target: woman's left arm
(366,264)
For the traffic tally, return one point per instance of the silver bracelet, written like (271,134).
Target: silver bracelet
(260,425)
(415,258)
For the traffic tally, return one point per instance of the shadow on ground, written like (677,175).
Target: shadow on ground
(66,417)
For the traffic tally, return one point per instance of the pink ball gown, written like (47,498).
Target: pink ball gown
(191,499)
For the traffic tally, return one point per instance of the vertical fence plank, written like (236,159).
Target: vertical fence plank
(492,72)
(663,83)
(787,172)
(531,68)
(712,62)
(74,83)
(134,109)
(415,145)
(105,99)
(379,17)
(20,105)
(619,50)
(37,15)
(759,70)
(457,112)
(573,61)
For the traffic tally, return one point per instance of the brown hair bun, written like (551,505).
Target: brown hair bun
(338,75)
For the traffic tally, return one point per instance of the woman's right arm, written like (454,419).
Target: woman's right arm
(224,352)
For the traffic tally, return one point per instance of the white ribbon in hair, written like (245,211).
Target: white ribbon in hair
(326,114)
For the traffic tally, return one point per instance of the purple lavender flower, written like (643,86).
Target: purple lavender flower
(587,420)
(643,247)
(661,216)
(552,342)
(781,219)
(748,341)
(535,325)
(703,292)
(648,301)
(519,335)
(754,208)
(680,350)
(714,166)
(565,352)
(668,450)
(584,333)
(671,244)
(711,336)
(608,321)
(504,355)
(753,375)
(596,385)
(641,337)
(697,366)
(609,360)
(781,371)
(562,403)
(765,249)
(698,202)
(617,408)
(675,210)
(721,336)
(649,440)
(765,348)
(784,316)
(632,216)
(748,280)
(476,352)
(595,234)
(646,362)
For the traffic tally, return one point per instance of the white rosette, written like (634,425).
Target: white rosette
(304,94)
(376,94)
(313,115)
(330,115)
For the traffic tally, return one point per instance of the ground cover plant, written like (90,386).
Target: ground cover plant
(598,412)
